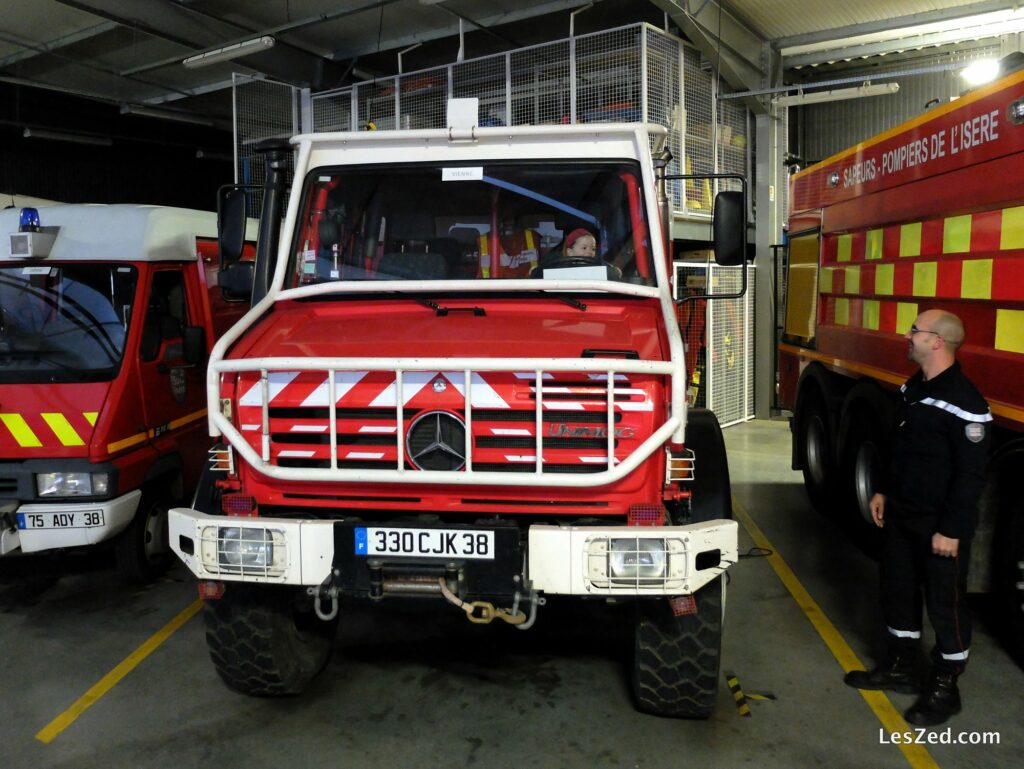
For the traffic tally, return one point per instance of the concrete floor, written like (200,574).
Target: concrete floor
(428,689)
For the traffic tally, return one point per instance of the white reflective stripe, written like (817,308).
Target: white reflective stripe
(967,416)
(958,657)
(904,633)
(618,377)
(510,431)
(531,375)
(482,395)
(378,429)
(594,460)
(903,388)
(278,380)
(250,428)
(364,455)
(646,406)
(296,453)
(552,389)
(520,458)
(343,382)
(564,406)
(308,429)
(412,383)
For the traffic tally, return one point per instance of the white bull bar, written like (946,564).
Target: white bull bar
(467,367)
(569,560)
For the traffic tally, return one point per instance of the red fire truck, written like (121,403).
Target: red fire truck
(927,215)
(106,314)
(400,424)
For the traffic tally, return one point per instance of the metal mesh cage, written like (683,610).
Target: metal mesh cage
(697,148)
(264,109)
(487,80)
(423,99)
(719,340)
(609,82)
(664,100)
(731,142)
(541,91)
(332,111)
(377,102)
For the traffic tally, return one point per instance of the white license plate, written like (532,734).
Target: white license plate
(425,543)
(80,519)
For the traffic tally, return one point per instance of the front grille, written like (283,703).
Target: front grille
(486,442)
(569,417)
(8,485)
(496,467)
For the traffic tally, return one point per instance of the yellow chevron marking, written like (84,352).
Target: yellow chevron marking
(910,239)
(63,430)
(852,282)
(884,279)
(956,234)
(873,245)
(20,430)
(976,279)
(906,314)
(842,312)
(91,416)
(926,275)
(871,314)
(1011,231)
(1010,330)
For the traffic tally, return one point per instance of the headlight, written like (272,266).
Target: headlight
(244,548)
(72,484)
(637,558)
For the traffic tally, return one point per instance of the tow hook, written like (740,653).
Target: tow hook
(484,612)
(321,592)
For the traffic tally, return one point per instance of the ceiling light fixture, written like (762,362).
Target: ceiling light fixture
(62,136)
(838,94)
(229,52)
(165,114)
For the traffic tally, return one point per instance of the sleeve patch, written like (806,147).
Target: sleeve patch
(975,432)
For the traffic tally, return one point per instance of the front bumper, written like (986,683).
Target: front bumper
(48,526)
(569,560)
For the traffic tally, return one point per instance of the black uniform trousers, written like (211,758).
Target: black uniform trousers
(909,567)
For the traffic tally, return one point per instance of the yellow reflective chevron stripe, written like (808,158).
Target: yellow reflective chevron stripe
(91,416)
(20,430)
(63,430)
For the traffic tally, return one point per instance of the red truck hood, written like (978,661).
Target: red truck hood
(512,328)
(49,420)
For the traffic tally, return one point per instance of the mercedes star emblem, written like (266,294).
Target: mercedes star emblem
(437,441)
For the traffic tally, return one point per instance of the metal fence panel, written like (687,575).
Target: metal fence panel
(423,99)
(264,109)
(541,84)
(485,79)
(698,103)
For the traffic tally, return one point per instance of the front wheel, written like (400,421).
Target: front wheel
(142,552)
(266,640)
(676,659)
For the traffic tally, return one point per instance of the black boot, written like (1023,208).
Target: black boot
(898,674)
(939,702)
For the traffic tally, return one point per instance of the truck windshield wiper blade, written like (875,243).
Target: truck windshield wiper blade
(582,307)
(441,311)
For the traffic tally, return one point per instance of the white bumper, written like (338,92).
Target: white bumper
(571,560)
(49,526)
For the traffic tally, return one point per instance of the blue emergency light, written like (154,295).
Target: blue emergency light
(29,220)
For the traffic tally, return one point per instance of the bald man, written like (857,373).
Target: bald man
(927,508)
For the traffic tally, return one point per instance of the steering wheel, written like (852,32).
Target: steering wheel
(562,261)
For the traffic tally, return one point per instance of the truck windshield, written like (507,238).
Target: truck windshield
(63,322)
(497,221)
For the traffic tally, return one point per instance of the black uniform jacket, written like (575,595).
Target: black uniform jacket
(940,447)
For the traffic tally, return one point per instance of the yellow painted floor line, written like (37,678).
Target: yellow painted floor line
(884,710)
(49,732)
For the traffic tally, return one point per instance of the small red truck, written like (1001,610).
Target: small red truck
(927,215)
(106,316)
(408,416)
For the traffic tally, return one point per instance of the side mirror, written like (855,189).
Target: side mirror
(236,280)
(193,340)
(729,228)
(230,223)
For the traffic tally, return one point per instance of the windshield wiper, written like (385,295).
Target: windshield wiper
(441,311)
(567,299)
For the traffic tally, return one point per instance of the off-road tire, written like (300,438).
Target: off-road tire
(141,551)
(817,455)
(1009,570)
(676,659)
(265,640)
